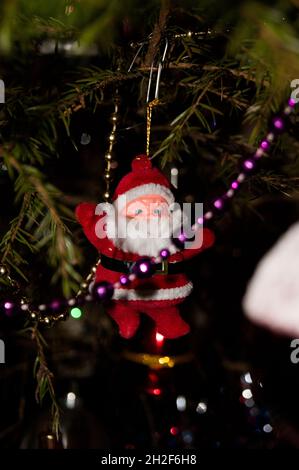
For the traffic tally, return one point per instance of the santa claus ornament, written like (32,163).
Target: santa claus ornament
(136,228)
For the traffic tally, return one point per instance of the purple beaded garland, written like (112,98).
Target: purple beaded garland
(103,290)
(124,280)
(278,124)
(143,268)
(265,145)
(57,305)
(218,204)
(165,253)
(248,165)
(9,308)
(179,240)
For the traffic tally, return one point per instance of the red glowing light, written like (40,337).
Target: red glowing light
(153,377)
(159,339)
(157,391)
(174,430)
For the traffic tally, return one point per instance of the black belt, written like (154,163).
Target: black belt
(126,266)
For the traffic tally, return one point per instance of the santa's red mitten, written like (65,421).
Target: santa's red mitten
(87,217)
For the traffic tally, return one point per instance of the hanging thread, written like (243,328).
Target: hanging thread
(149,112)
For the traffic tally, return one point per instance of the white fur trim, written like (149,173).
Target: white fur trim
(150,188)
(153,294)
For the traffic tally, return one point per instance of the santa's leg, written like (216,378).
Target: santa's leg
(126,318)
(169,322)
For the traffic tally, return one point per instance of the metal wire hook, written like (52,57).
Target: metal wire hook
(141,45)
(160,66)
(136,55)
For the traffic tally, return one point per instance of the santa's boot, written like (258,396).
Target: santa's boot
(169,322)
(126,318)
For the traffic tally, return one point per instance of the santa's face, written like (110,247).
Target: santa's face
(144,225)
(150,207)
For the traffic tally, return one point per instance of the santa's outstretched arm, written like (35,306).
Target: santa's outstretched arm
(200,244)
(87,217)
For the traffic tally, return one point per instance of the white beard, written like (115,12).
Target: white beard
(144,237)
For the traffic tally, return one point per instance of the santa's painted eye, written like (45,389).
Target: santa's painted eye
(138,211)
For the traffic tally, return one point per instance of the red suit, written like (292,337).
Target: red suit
(157,296)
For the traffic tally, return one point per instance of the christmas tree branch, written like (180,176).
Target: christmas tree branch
(86,87)
(175,141)
(247,75)
(9,239)
(44,378)
(157,32)
(44,219)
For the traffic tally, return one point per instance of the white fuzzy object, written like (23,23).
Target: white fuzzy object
(142,190)
(272,296)
(154,294)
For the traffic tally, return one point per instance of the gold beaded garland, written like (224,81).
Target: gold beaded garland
(107,178)
(3,270)
(108,156)
(191,34)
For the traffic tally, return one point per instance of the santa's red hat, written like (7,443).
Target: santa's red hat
(144,179)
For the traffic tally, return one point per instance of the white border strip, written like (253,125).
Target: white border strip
(153,294)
